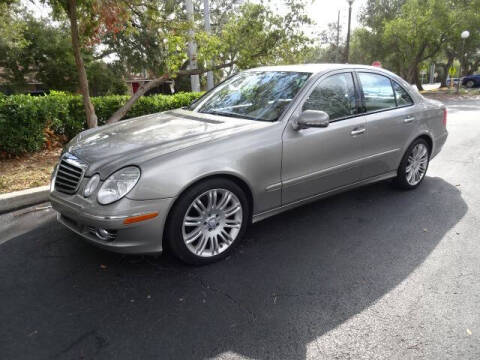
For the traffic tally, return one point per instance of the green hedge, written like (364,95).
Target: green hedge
(23,118)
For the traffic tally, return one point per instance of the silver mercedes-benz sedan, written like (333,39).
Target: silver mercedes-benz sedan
(261,142)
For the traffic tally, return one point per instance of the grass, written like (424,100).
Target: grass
(27,171)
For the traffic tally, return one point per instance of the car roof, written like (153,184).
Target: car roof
(315,68)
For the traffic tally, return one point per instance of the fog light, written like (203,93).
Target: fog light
(103,234)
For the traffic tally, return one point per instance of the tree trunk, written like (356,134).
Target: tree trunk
(417,80)
(443,78)
(120,113)
(82,74)
(446,67)
(412,76)
(192,47)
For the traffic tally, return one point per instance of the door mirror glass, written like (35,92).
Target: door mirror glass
(312,119)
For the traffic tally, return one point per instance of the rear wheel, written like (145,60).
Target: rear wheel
(470,84)
(414,165)
(208,221)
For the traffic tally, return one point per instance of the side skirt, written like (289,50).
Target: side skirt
(278,210)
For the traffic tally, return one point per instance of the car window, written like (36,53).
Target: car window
(255,95)
(377,91)
(334,95)
(403,99)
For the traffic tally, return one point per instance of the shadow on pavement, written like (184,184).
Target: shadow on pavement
(295,277)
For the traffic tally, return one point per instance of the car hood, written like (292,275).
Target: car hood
(136,140)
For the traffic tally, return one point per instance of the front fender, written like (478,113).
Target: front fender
(254,158)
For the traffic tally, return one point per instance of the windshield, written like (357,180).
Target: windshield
(255,95)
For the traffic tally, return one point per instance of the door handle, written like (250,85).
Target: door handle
(408,119)
(357,131)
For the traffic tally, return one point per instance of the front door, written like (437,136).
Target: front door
(317,160)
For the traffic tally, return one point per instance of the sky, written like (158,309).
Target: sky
(324,12)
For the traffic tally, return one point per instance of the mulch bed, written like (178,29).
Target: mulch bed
(27,171)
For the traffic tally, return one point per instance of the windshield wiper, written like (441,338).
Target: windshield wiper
(230,114)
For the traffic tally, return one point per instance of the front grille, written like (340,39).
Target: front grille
(70,172)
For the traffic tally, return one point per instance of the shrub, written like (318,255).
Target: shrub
(23,118)
(21,124)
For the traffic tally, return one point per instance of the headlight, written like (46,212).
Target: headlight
(118,185)
(91,185)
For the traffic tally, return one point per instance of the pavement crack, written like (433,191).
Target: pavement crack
(99,343)
(225,294)
(275,296)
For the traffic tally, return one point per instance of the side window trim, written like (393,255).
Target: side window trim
(355,87)
(394,93)
(358,99)
(362,109)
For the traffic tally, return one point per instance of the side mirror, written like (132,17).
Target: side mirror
(311,119)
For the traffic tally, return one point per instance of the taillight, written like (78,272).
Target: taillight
(445,117)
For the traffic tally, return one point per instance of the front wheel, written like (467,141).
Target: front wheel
(470,84)
(208,221)
(414,165)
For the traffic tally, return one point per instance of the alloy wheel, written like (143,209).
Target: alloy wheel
(212,222)
(417,164)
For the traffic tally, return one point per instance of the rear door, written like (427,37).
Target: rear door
(389,113)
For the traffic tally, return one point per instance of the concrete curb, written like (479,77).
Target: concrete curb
(23,198)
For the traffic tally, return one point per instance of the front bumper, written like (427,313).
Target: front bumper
(139,238)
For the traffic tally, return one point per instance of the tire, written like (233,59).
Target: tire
(414,157)
(470,84)
(202,235)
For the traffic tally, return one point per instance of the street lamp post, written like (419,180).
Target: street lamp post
(347,50)
(465,34)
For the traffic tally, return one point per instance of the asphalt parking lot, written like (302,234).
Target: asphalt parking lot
(372,273)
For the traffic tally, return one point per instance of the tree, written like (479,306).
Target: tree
(251,36)
(417,35)
(89,21)
(468,50)
(46,56)
(330,47)
(403,34)
(12,40)
(10,28)
(367,43)
(105,79)
(467,15)
(376,12)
